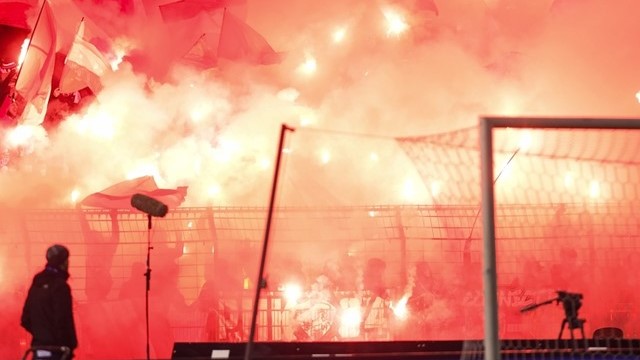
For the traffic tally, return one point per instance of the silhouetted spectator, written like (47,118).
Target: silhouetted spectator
(48,311)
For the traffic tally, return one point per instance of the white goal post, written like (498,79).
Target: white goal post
(487,124)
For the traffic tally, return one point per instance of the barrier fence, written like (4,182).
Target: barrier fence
(221,245)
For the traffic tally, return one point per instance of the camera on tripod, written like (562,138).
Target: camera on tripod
(571,302)
(571,297)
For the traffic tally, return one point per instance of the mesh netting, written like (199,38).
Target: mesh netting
(590,241)
(547,166)
(374,239)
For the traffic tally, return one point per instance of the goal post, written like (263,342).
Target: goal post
(487,125)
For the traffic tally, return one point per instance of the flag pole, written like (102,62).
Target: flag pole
(75,37)
(224,14)
(35,27)
(194,44)
(262,283)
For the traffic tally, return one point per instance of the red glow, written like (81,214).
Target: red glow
(383,164)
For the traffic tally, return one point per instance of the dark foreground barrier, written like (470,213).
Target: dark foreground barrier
(445,350)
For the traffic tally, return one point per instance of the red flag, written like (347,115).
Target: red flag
(34,79)
(240,42)
(84,65)
(200,54)
(427,5)
(186,9)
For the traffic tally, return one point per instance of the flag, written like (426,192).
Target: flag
(240,42)
(84,65)
(200,55)
(34,77)
(427,5)
(180,42)
(118,196)
(186,9)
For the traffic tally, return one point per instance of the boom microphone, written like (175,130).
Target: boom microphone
(149,205)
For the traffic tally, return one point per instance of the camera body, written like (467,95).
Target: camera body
(571,302)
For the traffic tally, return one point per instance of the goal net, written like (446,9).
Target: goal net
(381,239)
(375,239)
(577,264)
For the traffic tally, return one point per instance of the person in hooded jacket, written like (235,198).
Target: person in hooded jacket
(48,312)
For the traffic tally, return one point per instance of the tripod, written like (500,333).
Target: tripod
(571,303)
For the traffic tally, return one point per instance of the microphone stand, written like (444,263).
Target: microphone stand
(147,275)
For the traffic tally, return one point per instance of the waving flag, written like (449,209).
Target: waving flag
(428,6)
(240,42)
(84,65)
(186,9)
(34,79)
(118,196)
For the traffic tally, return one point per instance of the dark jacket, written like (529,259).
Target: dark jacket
(47,312)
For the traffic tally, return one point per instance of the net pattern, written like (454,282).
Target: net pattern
(530,244)
(548,166)
(555,230)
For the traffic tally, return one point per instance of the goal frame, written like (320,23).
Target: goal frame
(489,274)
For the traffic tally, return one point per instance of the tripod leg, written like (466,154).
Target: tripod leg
(564,322)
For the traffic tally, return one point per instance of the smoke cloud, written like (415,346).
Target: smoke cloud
(216,130)
(347,82)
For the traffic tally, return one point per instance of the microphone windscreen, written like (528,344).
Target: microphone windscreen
(149,205)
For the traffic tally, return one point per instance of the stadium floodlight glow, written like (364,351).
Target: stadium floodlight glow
(487,125)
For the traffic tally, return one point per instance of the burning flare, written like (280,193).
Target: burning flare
(23,51)
(396,23)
